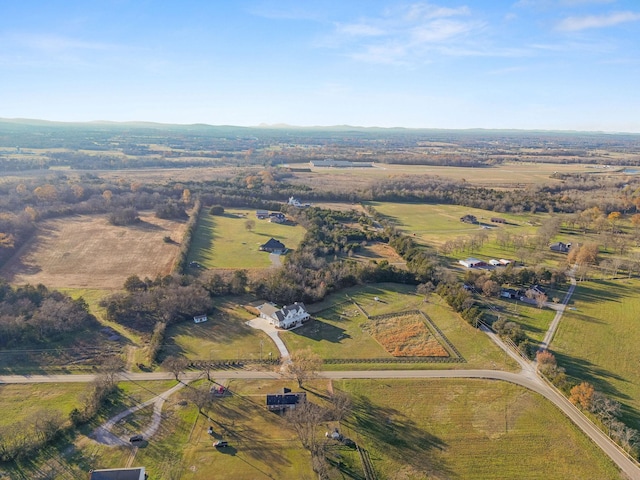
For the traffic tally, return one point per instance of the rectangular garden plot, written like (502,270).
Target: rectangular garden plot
(410,334)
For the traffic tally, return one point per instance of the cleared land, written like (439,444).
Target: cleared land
(471,429)
(85,251)
(223,241)
(598,339)
(434,224)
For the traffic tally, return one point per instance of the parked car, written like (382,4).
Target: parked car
(220,444)
(136,438)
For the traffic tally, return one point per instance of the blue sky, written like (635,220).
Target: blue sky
(543,64)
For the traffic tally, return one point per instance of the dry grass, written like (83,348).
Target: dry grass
(405,336)
(85,251)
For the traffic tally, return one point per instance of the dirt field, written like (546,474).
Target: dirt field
(87,252)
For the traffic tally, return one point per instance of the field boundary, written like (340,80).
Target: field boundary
(454,354)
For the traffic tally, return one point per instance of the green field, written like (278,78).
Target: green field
(467,429)
(598,341)
(534,321)
(335,331)
(224,337)
(224,242)
(434,224)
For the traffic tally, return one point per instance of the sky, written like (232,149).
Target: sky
(521,64)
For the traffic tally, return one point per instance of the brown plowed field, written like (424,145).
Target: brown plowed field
(85,251)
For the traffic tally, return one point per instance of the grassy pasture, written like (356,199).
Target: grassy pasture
(223,241)
(471,429)
(336,330)
(85,251)
(224,337)
(598,341)
(434,224)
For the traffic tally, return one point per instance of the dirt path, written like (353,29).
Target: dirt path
(103,433)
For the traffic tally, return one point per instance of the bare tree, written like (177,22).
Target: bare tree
(175,365)
(200,397)
(250,225)
(341,405)
(541,300)
(303,366)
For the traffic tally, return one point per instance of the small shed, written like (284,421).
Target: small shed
(200,318)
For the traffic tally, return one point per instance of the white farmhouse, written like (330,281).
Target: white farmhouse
(286,317)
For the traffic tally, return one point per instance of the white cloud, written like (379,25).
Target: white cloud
(556,3)
(572,24)
(406,34)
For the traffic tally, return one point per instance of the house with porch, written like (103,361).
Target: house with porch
(286,317)
(279,402)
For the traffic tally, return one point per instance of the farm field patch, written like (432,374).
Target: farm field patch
(223,241)
(85,251)
(434,224)
(471,429)
(598,341)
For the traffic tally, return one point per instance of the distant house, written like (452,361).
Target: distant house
(286,400)
(286,317)
(273,246)
(538,290)
(330,162)
(510,293)
(262,214)
(469,219)
(200,318)
(560,247)
(277,217)
(495,263)
(498,220)
(296,203)
(137,473)
(472,263)
(505,262)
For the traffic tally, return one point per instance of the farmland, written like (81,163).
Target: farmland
(223,241)
(598,340)
(87,252)
(433,224)
(468,429)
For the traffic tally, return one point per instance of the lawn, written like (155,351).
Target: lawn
(224,337)
(471,429)
(534,321)
(223,241)
(598,341)
(336,331)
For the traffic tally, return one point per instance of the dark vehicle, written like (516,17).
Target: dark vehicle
(136,438)
(220,444)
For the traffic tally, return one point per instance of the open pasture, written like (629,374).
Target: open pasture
(223,241)
(86,251)
(471,429)
(434,224)
(598,341)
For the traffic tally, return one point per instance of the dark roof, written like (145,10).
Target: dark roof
(297,307)
(118,474)
(284,399)
(273,244)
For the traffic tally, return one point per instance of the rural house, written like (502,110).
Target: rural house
(273,246)
(469,219)
(200,318)
(262,214)
(560,247)
(279,402)
(472,263)
(285,317)
(137,473)
(277,217)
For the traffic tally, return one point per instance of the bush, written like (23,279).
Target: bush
(216,210)
(124,216)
